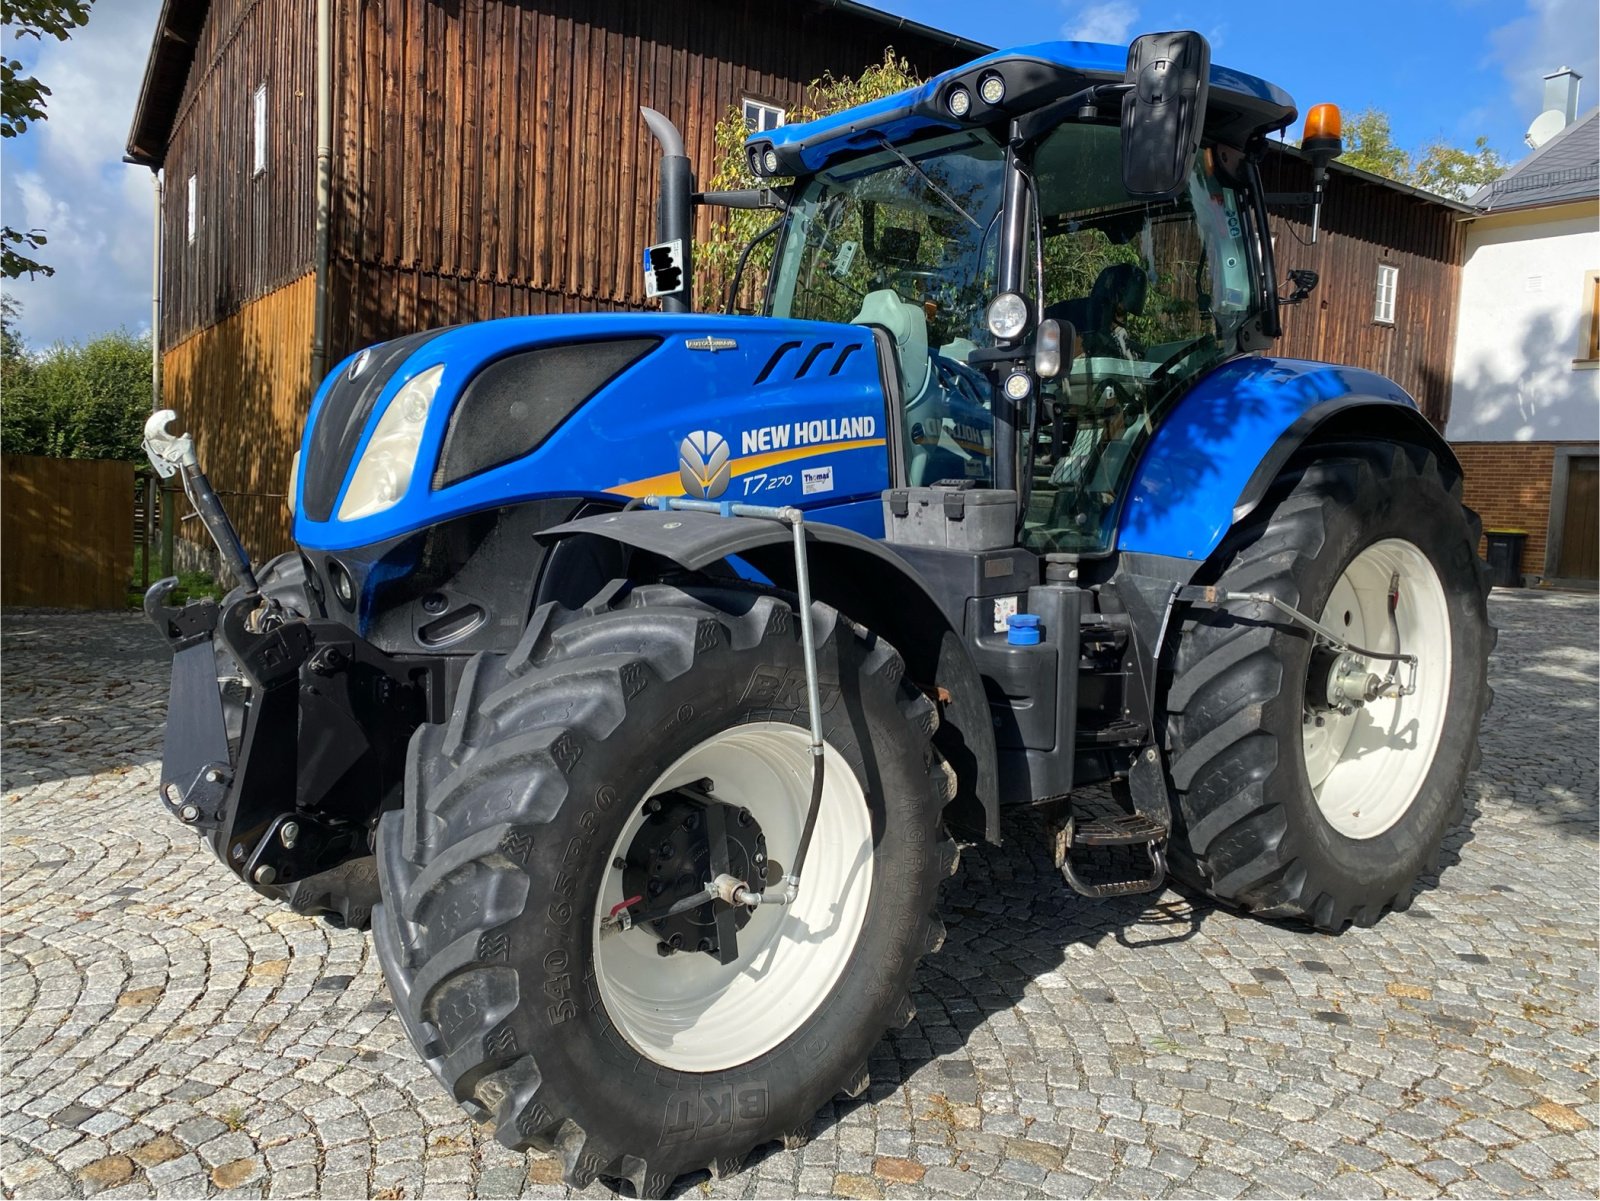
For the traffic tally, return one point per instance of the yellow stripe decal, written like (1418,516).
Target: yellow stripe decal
(671,485)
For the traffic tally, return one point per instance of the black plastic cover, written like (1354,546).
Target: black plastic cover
(515,403)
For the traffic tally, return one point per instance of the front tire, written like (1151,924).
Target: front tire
(1289,809)
(511,850)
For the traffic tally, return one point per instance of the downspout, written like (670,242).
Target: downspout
(320,237)
(168,503)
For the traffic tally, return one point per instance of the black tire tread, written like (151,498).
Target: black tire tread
(1231,842)
(579,660)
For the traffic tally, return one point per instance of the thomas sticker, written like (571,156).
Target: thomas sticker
(816,479)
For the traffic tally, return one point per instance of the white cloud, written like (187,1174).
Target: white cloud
(66,177)
(1550,34)
(1107,21)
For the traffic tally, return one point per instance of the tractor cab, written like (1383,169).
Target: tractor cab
(1059,244)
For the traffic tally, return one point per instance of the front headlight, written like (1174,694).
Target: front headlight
(383,473)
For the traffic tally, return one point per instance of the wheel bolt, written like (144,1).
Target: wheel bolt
(663,950)
(692,822)
(703,945)
(619,863)
(652,805)
(760,858)
(654,888)
(675,942)
(664,850)
(744,817)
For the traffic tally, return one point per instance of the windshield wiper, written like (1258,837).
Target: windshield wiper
(929,180)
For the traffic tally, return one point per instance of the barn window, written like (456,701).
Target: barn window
(760,117)
(1388,284)
(193,223)
(258,113)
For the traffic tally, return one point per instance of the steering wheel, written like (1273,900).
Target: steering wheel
(1177,356)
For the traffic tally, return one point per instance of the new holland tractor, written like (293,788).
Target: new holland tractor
(637,676)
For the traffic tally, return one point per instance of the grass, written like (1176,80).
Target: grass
(192,585)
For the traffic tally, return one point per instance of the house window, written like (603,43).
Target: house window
(192,223)
(1388,283)
(760,117)
(1589,342)
(258,124)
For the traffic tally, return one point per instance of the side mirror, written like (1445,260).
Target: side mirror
(1163,112)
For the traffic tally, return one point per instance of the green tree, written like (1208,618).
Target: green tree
(76,401)
(716,257)
(1437,167)
(1369,145)
(1450,171)
(22,102)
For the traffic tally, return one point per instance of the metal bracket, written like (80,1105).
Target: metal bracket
(796,520)
(168,453)
(1214,597)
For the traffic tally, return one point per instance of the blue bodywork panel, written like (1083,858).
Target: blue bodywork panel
(799,403)
(907,113)
(1192,473)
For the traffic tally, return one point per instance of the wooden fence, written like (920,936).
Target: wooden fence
(65,536)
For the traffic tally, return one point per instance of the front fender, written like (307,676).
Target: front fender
(1214,455)
(866,581)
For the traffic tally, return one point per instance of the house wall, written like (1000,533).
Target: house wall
(242,386)
(252,233)
(490,157)
(1521,326)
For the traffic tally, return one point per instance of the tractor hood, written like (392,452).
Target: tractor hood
(438,424)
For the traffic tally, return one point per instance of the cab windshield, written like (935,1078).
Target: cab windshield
(909,246)
(1156,291)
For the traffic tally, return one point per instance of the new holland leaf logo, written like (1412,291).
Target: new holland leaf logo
(703,465)
(711,343)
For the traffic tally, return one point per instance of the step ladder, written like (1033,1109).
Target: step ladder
(1148,826)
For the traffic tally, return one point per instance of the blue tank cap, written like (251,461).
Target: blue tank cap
(1022,629)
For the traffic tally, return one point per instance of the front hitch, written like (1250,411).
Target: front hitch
(286,734)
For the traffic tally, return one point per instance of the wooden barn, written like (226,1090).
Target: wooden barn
(1389,261)
(483,158)
(339,172)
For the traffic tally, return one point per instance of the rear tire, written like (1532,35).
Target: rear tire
(496,873)
(1271,817)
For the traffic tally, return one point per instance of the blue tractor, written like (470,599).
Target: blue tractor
(637,676)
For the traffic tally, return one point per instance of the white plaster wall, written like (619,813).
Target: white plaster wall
(1519,327)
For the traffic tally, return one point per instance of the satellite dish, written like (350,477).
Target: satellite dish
(1545,126)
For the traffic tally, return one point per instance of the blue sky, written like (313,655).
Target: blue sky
(1441,68)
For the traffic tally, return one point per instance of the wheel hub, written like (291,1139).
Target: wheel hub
(689,837)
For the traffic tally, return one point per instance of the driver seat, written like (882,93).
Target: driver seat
(908,326)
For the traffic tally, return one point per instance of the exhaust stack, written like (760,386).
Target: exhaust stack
(674,205)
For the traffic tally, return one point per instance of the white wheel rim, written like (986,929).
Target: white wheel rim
(687,1011)
(1366,768)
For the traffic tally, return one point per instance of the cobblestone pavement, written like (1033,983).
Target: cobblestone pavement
(165,1032)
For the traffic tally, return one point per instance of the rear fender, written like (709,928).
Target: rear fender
(1214,456)
(867,582)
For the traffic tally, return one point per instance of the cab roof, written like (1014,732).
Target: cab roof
(1241,106)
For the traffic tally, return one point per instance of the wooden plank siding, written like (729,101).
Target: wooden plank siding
(243,387)
(1365,224)
(253,233)
(66,532)
(490,159)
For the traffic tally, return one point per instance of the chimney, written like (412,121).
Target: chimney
(1561,94)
